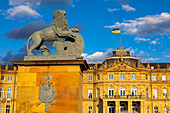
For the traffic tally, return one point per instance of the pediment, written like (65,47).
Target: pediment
(122,67)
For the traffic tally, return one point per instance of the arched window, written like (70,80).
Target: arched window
(123,108)
(9,93)
(155,109)
(7,108)
(1,93)
(122,91)
(155,94)
(134,91)
(165,109)
(111,91)
(164,93)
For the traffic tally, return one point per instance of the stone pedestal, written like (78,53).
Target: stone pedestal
(67,82)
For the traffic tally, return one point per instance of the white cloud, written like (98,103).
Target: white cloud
(142,54)
(25,8)
(168,56)
(112,10)
(131,50)
(22,11)
(141,39)
(153,59)
(97,56)
(46,3)
(24,2)
(145,26)
(153,42)
(128,8)
(144,60)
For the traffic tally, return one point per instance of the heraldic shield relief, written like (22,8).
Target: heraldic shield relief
(47,93)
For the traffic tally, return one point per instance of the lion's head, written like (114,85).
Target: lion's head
(59,19)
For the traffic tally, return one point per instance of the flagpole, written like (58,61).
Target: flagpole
(120,40)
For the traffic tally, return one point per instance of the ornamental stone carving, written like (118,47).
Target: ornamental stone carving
(47,93)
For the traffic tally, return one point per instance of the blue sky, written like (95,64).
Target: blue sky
(145,26)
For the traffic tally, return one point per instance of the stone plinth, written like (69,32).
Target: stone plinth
(67,82)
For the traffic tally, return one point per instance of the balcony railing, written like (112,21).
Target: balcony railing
(124,97)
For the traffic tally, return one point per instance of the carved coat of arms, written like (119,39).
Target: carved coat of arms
(47,93)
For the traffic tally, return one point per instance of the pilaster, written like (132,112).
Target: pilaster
(129,106)
(117,106)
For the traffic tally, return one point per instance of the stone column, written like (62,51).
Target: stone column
(129,106)
(117,106)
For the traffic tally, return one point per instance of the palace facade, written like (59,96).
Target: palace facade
(7,88)
(120,84)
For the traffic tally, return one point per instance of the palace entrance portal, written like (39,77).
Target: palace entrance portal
(123,106)
(136,107)
(111,107)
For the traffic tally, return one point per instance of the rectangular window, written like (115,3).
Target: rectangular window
(9,78)
(146,77)
(153,77)
(133,76)
(163,77)
(147,93)
(90,78)
(148,109)
(2,78)
(98,92)
(98,77)
(155,94)
(110,76)
(90,93)
(90,109)
(122,76)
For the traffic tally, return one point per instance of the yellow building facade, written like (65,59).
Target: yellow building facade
(124,85)
(7,88)
(120,84)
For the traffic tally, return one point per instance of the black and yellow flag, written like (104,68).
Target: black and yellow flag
(116,30)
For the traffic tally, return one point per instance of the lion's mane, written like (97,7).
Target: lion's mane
(59,20)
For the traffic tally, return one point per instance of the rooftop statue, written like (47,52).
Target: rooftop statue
(68,43)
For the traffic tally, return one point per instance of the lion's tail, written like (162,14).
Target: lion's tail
(28,41)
